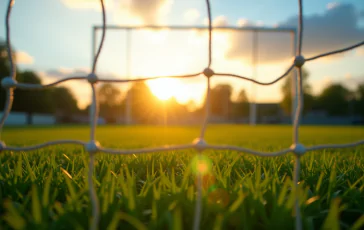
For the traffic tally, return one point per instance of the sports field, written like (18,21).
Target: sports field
(47,189)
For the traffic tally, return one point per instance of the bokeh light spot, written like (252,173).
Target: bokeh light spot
(219,197)
(201,165)
(207,182)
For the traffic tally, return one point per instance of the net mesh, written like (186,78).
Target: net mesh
(92,147)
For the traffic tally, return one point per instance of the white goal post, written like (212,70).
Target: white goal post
(255,57)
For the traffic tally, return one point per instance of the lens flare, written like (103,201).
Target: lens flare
(201,165)
(219,197)
(207,182)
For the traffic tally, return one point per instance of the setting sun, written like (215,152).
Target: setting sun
(166,88)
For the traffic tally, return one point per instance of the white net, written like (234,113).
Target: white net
(93,147)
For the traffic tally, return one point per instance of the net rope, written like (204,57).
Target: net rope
(92,147)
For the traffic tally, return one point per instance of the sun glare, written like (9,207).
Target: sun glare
(166,88)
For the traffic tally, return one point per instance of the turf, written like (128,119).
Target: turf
(47,189)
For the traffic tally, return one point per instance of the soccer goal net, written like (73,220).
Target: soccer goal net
(207,71)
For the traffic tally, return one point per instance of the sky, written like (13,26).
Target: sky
(54,38)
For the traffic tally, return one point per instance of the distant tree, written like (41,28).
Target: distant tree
(109,98)
(241,107)
(334,99)
(242,97)
(191,105)
(144,105)
(32,101)
(109,94)
(359,105)
(64,100)
(308,98)
(360,91)
(4,69)
(64,103)
(4,63)
(220,100)
(170,111)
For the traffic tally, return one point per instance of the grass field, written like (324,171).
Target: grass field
(47,189)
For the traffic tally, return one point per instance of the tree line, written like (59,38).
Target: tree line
(51,100)
(146,108)
(335,99)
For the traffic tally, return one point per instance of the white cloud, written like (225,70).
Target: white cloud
(332,5)
(334,29)
(242,22)
(148,11)
(23,57)
(62,72)
(220,20)
(191,15)
(127,11)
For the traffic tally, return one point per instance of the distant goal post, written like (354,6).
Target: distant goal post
(255,30)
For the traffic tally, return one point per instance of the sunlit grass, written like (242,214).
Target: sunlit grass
(47,189)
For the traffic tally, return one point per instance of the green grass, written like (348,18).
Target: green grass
(47,189)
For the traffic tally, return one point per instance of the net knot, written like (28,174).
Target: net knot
(92,147)
(298,149)
(8,82)
(200,144)
(208,72)
(92,78)
(299,61)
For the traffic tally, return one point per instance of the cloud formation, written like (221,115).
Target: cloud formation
(149,11)
(336,28)
(24,58)
(220,20)
(61,73)
(127,11)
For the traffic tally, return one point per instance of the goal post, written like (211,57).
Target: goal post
(255,30)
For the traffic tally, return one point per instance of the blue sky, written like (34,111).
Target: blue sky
(54,37)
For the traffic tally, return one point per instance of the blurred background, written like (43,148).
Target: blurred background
(54,39)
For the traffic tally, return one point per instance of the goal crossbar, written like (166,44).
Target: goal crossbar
(176,27)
